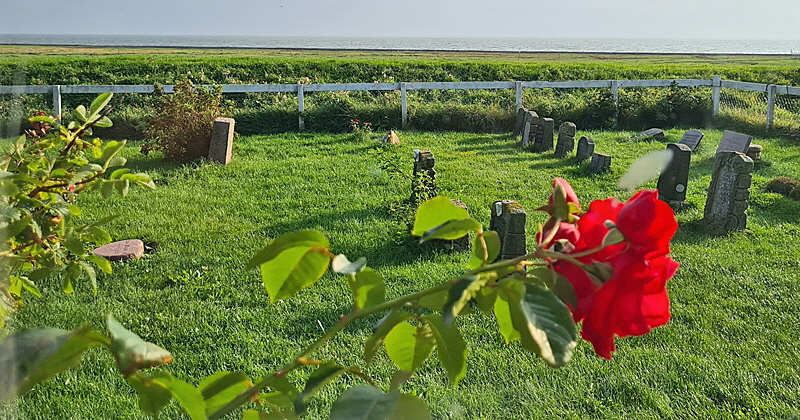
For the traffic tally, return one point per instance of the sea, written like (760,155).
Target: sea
(637,46)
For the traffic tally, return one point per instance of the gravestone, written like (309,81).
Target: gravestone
(544,135)
(390,138)
(600,163)
(754,151)
(734,142)
(508,220)
(692,139)
(585,148)
(520,123)
(219,150)
(566,139)
(423,180)
(674,179)
(728,192)
(121,250)
(653,133)
(526,133)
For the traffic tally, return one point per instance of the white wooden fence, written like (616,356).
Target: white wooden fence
(300,89)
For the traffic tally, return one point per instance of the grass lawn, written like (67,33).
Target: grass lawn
(730,350)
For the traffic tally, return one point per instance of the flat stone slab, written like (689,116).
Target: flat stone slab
(121,250)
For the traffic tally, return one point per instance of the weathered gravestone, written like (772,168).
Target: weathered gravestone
(508,220)
(390,138)
(219,150)
(673,181)
(566,139)
(728,192)
(585,148)
(754,151)
(653,133)
(423,179)
(544,135)
(734,142)
(526,133)
(692,139)
(520,123)
(600,163)
(121,250)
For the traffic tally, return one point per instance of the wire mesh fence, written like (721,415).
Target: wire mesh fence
(742,107)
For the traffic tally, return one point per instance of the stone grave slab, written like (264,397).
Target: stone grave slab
(219,150)
(423,178)
(508,220)
(544,135)
(652,133)
(600,163)
(674,179)
(754,151)
(566,139)
(585,148)
(520,123)
(526,133)
(728,193)
(692,139)
(121,250)
(734,142)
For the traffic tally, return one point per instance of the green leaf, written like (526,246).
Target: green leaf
(107,189)
(74,245)
(104,122)
(491,251)
(341,265)
(368,289)
(292,270)
(384,326)
(32,356)
(153,396)
(310,238)
(42,118)
(119,172)
(544,323)
(503,315)
(71,276)
(189,397)
(435,212)
(80,113)
(111,148)
(485,299)
(91,274)
(103,264)
(100,102)
(131,352)
(409,346)
(435,301)
(460,294)
(116,161)
(324,374)
(122,186)
(364,402)
(450,348)
(278,399)
(452,229)
(221,388)
(410,407)
(97,234)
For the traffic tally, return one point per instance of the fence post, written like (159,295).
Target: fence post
(57,102)
(615,95)
(716,84)
(771,91)
(518,87)
(301,106)
(403,104)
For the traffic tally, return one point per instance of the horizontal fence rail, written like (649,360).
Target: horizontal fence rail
(300,89)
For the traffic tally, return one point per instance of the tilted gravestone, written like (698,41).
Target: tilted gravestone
(526,133)
(508,220)
(728,192)
(692,139)
(734,142)
(754,151)
(121,250)
(585,149)
(219,150)
(423,179)
(566,139)
(653,133)
(520,123)
(673,181)
(600,163)
(544,135)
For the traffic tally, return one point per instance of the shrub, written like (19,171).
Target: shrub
(782,185)
(795,193)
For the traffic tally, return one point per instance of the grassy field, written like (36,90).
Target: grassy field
(730,350)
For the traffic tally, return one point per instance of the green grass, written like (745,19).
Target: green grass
(730,350)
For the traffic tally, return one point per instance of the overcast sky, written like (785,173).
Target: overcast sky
(637,19)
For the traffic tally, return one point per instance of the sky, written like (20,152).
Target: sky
(627,19)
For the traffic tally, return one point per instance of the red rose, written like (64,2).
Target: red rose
(647,223)
(569,192)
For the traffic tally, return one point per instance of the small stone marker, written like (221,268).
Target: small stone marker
(754,151)
(423,182)
(532,118)
(566,139)
(734,142)
(692,139)
(652,133)
(390,138)
(121,250)
(600,163)
(526,134)
(544,135)
(508,220)
(219,150)
(520,123)
(674,179)
(585,148)
(728,192)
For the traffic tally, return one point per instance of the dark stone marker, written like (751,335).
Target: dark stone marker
(544,135)
(653,133)
(600,163)
(121,250)
(566,139)
(508,220)
(674,179)
(754,151)
(728,192)
(219,150)
(692,139)
(423,181)
(520,123)
(585,148)
(734,142)
(526,133)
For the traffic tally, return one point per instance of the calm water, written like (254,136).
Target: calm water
(438,44)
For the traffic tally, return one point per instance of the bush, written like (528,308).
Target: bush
(795,194)
(783,185)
